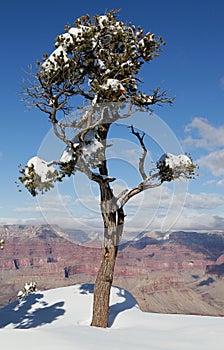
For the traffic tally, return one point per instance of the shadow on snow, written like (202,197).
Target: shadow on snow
(21,315)
(128,303)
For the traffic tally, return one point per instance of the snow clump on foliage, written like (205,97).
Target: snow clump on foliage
(104,54)
(175,166)
(28,288)
(2,242)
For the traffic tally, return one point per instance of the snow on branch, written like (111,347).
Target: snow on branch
(173,167)
(170,166)
(98,58)
(2,242)
(28,288)
(84,153)
(38,175)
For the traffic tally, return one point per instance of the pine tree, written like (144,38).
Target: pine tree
(99,59)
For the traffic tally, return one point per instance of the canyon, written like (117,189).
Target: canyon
(180,272)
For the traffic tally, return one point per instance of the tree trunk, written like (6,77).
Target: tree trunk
(102,288)
(113,218)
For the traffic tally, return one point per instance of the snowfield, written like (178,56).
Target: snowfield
(60,318)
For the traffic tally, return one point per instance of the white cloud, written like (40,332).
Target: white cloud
(47,203)
(21,221)
(204,201)
(157,211)
(220,182)
(163,196)
(188,220)
(211,139)
(168,207)
(30,209)
(162,209)
(214,161)
(199,221)
(208,136)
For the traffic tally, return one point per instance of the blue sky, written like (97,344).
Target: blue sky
(191,69)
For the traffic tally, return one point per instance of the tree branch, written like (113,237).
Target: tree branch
(142,158)
(147,182)
(144,185)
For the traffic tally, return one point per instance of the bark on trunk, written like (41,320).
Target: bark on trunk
(113,218)
(102,289)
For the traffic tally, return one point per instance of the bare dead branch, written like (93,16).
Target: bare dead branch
(144,185)
(121,194)
(160,97)
(90,126)
(142,158)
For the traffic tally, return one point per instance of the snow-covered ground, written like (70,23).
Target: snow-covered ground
(60,318)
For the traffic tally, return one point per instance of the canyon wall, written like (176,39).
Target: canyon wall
(180,274)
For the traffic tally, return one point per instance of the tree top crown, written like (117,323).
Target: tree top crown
(100,58)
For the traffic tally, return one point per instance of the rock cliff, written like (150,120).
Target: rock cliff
(180,274)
